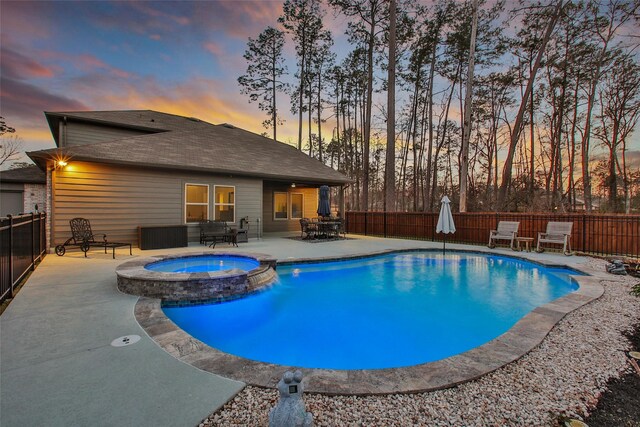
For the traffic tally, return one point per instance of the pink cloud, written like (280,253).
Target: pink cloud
(28,20)
(153,19)
(88,62)
(182,20)
(236,19)
(213,48)
(17,66)
(27,101)
(259,12)
(146,8)
(155,37)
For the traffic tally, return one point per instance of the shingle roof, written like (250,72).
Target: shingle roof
(186,144)
(30,174)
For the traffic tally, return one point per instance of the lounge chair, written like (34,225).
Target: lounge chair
(507,230)
(558,233)
(214,231)
(82,236)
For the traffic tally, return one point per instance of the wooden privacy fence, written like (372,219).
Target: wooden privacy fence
(592,233)
(22,245)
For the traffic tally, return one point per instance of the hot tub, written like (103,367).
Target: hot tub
(196,278)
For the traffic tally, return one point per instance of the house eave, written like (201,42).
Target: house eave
(41,158)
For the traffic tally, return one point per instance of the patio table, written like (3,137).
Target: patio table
(326,228)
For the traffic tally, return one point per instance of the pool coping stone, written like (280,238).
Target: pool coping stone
(523,337)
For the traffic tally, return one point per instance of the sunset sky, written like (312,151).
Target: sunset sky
(181,57)
(177,57)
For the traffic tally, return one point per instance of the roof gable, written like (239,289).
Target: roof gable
(191,144)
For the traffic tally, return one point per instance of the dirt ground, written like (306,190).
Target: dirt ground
(620,405)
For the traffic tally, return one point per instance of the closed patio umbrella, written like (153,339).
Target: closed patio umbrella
(445,221)
(324,208)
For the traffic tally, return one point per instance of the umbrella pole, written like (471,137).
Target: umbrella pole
(444,243)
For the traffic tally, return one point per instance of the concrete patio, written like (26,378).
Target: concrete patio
(57,364)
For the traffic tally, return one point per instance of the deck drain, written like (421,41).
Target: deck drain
(125,340)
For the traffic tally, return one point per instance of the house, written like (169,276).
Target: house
(125,169)
(22,190)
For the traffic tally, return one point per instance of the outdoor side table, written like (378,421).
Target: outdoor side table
(528,242)
(238,236)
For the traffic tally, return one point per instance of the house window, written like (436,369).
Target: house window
(225,203)
(280,210)
(196,202)
(296,206)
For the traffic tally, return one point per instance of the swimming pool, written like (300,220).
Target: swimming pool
(379,312)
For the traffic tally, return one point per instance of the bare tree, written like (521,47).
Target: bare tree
(10,145)
(303,20)
(604,26)
(368,24)
(517,128)
(619,113)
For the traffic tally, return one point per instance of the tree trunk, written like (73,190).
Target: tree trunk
(320,112)
(572,148)
(532,171)
(429,101)
(390,164)
(468,97)
(273,90)
(300,95)
(367,118)
(440,145)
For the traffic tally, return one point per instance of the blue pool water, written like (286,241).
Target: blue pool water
(199,264)
(380,312)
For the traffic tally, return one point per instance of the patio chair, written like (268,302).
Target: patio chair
(214,231)
(507,230)
(558,233)
(339,228)
(308,229)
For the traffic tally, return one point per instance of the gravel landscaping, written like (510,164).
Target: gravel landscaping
(563,377)
(620,404)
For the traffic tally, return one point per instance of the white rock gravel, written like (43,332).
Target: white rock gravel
(563,376)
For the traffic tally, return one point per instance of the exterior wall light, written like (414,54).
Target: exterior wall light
(293,185)
(61,163)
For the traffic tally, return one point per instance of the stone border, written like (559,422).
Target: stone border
(195,288)
(523,337)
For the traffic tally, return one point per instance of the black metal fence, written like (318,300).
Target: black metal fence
(595,234)
(22,245)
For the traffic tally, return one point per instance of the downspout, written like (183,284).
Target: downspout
(51,185)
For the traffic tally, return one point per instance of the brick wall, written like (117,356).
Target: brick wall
(34,194)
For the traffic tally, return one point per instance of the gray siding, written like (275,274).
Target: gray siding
(11,202)
(310,206)
(78,133)
(118,199)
